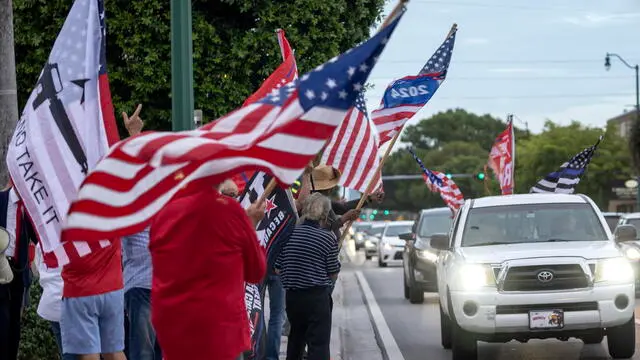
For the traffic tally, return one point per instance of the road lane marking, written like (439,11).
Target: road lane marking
(386,337)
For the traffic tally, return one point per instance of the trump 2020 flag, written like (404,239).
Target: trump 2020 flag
(273,231)
(66,126)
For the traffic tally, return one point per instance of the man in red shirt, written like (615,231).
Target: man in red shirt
(204,248)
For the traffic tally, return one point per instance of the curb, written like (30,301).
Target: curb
(376,332)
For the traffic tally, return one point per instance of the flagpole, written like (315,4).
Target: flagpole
(513,159)
(373,181)
(272,183)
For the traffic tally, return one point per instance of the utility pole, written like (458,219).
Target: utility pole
(8,93)
(182,116)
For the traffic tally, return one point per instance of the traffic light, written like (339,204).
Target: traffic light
(480,176)
(363,217)
(386,212)
(448,175)
(375,212)
(372,216)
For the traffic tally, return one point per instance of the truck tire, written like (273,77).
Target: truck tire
(367,257)
(380,263)
(464,345)
(621,340)
(416,294)
(406,286)
(445,330)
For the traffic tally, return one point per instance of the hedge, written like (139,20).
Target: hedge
(36,342)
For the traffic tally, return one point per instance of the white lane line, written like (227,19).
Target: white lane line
(387,339)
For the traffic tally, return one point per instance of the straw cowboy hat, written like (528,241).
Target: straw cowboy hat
(324,177)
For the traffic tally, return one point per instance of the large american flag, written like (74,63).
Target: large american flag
(405,97)
(278,134)
(285,73)
(353,149)
(565,179)
(440,183)
(67,125)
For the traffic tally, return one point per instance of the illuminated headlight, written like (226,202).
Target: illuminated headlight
(359,236)
(427,255)
(632,254)
(368,243)
(617,270)
(475,276)
(387,246)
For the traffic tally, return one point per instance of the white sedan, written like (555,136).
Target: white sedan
(391,246)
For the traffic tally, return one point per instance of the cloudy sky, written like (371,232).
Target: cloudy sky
(536,59)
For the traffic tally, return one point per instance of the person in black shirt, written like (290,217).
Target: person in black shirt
(308,266)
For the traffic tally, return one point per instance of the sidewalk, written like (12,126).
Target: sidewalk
(352,333)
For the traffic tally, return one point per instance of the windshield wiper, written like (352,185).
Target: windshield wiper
(491,243)
(560,240)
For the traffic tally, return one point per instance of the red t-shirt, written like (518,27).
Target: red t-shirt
(97,273)
(203,248)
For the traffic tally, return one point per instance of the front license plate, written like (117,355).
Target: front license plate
(546,319)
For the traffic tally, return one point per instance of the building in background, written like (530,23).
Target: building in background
(623,122)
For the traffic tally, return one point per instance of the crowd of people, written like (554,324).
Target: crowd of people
(176,290)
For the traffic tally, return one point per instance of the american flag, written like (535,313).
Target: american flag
(502,159)
(285,73)
(278,134)
(66,127)
(565,179)
(353,149)
(405,97)
(440,183)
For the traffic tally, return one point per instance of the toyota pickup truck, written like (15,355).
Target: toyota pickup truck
(534,266)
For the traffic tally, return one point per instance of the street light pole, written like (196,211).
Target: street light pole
(181,66)
(607,65)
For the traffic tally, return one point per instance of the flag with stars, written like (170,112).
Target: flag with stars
(439,183)
(405,97)
(353,149)
(66,127)
(278,134)
(565,179)
(273,231)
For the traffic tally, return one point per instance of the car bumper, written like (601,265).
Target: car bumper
(391,255)
(371,249)
(425,274)
(594,308)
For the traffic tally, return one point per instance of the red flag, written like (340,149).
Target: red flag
(502,159)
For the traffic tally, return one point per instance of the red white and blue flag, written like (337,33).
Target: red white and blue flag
(278,134)
(405,97)
(440,183)
(66,127)
(502,159)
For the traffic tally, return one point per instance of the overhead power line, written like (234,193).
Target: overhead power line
(513,61)
(506,6)
(537,96)
(512,78)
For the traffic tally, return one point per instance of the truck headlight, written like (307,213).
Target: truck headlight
(387,246)
(632,254)
(475,276)
(427,255)
(614,270)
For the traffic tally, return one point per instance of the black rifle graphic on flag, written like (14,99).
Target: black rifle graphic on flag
(273,231)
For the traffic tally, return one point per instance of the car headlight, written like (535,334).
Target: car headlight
(387,246)
(359,236)
(427,255)
(475,276)
(368,243)
(632,254)
(614,270)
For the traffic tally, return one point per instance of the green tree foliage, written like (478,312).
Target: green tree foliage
(234,46)
(459,142)
(37,342)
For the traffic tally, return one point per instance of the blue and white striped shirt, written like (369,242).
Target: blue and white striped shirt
(309,257)
(136,260)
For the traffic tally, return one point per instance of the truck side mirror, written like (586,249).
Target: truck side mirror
(440,241)
(407,236)
(624,233)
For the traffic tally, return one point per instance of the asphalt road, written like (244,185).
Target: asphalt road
(416,328)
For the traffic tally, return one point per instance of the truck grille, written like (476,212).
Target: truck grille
(537,278)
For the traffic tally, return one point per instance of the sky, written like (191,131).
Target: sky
(537,60)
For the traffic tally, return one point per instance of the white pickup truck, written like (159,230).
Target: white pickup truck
(534,266)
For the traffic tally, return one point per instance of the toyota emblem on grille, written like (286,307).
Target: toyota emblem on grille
(545,276)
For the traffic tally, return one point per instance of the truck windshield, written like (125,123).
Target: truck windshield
(435,224)
(532,223)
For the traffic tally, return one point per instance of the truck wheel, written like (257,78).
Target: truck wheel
(367,257)
(380,263)
(595,338)
(406,286)
(463,345)
(416,294)
(621,340)
(445,330)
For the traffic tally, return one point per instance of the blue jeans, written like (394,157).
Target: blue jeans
(55,329)
(276,316)
(142,338)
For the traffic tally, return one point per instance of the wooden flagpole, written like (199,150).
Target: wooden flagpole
(381,165)
(272,183)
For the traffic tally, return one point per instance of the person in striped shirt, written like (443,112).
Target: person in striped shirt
(308,266)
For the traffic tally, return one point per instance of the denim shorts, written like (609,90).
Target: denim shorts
(93,324)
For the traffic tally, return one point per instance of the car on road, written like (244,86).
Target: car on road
(419,258)
(529,266)
(357,233)
(612,219)
(372,238)
(391,246)
(632,249)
